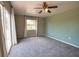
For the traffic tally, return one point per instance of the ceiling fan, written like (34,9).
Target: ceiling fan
(45,8)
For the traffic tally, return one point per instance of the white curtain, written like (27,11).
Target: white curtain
(7,28)
(4,46)
(13,28)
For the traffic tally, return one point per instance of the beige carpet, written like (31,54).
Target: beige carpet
(43,47)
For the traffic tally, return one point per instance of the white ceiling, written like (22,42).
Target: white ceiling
(27,7)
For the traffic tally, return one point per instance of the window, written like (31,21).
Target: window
(31,24)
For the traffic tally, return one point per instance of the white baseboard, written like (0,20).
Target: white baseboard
(63,41)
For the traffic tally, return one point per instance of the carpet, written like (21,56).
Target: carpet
(43,47)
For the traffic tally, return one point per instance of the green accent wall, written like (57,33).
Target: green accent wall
(64,26)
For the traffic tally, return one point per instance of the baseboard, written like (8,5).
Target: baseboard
(63,41)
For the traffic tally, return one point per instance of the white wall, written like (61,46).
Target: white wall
(20,24)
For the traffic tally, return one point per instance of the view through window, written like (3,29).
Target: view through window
(31,24)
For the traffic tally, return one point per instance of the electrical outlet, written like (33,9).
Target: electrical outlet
(69,37)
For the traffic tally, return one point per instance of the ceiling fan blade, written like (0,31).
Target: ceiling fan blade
(40,11)
(52,6)
(38,8)
(49,11)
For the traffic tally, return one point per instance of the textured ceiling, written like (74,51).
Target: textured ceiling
(27,7)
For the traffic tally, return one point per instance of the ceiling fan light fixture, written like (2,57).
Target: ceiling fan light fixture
(46,10)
